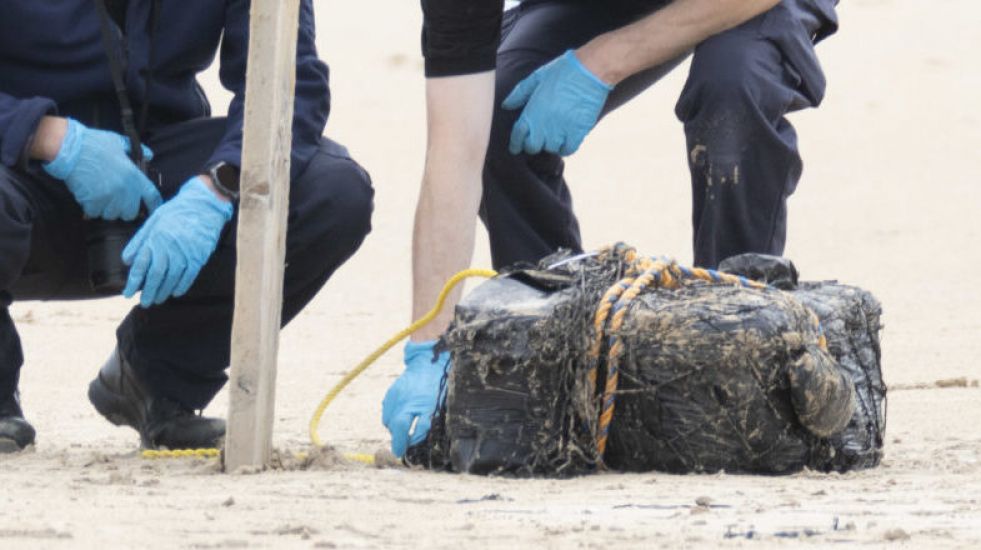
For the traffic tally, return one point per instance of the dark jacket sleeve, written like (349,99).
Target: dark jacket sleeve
(312,100)
(18,122)
(460,36)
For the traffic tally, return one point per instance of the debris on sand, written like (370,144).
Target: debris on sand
(317,458)
(47,533)
(384,459)
(961,382)
(493,497)
(945,383)
(304,531)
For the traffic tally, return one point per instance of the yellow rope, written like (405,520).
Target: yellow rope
(363,458)
(153,454)
(348,378)
(363,365)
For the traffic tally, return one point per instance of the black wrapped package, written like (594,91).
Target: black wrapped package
(712,377)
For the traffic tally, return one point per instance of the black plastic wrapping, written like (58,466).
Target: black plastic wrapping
(713,378)
(775,271)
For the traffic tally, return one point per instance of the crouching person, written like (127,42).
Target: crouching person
(106,139)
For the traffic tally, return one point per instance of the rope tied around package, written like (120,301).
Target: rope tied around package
(640,273)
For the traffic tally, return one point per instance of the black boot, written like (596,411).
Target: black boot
(119,396)
(15,432)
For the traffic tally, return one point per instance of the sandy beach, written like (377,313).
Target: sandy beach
(890,201)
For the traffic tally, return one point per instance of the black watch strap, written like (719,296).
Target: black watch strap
(226,180)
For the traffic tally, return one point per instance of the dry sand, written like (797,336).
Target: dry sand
(889,201)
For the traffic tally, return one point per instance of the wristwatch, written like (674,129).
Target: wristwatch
(226,180)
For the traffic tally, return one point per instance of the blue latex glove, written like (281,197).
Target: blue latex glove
(170,249)
(96,167)
(415,395)
(562,102)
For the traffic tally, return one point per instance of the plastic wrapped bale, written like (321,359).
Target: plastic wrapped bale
(713,378)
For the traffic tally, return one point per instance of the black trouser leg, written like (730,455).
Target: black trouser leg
(742,151)
(742,83)
(13,356)
(41,242)
(527,207)
(181,348)
(15,242)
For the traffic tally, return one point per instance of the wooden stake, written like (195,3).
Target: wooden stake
(270,84)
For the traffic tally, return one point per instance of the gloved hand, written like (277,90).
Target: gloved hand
(170,249)
(562,102)
(415,395)
(96,167)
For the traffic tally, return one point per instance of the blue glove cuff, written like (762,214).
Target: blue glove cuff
(414,349)
(570,56)
(424,350)
(71,147)
(197,191)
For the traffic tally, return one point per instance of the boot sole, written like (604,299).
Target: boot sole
(113,407)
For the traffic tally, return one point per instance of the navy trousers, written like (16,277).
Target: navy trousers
(180,349)
(742,151)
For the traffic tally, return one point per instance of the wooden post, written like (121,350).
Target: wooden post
(269,89)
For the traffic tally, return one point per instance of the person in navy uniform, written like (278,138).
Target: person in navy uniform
(102,121)
(527,86)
